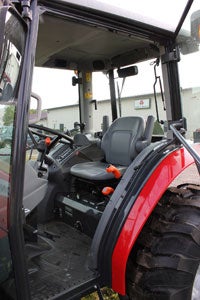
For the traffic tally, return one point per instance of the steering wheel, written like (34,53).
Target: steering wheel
(58,135)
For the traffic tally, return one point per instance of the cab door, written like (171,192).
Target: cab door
(14,81)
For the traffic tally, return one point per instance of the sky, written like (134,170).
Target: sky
(54,87)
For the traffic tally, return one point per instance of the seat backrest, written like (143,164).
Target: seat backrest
(149,129)
(119,141)
(147,136)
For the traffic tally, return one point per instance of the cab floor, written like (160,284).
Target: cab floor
(61,263)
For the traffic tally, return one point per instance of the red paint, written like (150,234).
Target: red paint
(4,184)
(4,176)
(171,166)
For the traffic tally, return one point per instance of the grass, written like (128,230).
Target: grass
(108,294)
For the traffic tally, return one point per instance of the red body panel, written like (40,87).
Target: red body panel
(4,183)
(171,166)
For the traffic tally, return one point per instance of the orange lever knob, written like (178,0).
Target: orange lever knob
(47,141)
(107,190)
(112,169)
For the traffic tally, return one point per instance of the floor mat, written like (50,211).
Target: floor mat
(63,266)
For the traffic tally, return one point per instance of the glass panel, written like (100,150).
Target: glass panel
(189,67)
(10,62)
(152,12)
(11,57)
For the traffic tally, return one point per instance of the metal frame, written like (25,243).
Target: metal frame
(18,162)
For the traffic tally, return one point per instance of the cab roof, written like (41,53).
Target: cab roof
(100,35)
(161,14)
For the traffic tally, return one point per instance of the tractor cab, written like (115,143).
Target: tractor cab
(86,169)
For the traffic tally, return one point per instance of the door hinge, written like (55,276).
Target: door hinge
(26,12)
(171,56)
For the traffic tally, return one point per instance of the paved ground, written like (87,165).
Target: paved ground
(190,175)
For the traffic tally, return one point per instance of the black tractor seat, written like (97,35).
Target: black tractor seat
(121,143)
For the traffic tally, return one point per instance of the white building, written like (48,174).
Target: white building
(63,118)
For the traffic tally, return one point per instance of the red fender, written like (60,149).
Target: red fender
(167,170)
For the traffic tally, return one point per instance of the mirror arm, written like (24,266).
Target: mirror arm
(38,110)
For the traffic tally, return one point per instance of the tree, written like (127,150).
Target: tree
(8,115)
(32,111)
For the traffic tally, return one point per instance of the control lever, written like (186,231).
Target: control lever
(116,172)
(107,190)
(42,148)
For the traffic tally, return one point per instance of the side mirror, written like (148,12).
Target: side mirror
(12,44)
(195,25)
(189,40)
(36,116)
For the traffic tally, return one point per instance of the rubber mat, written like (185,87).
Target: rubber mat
(61,267)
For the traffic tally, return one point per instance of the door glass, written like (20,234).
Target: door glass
(11,50)
(189,67)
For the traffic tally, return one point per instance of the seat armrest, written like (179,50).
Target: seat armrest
(140,145)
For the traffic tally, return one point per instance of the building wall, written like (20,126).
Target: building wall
(129,106)
(69,114)
(191,101)
(42,122)
(63,115)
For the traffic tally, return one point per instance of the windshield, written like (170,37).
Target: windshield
(60,103)
(96,50)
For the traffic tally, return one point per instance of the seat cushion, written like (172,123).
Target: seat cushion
(119,147)
(94,171)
